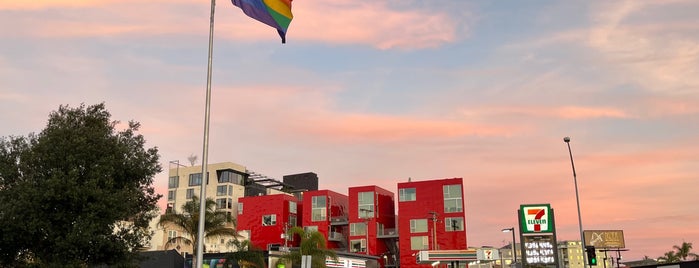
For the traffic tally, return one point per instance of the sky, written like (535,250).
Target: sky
(379,92)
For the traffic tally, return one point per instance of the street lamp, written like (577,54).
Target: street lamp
(514,251)
(577,199)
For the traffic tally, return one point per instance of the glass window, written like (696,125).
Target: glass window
(454,224)
(190,193)
(194,179)
(418,226)
(171,234)
(418,243)
(221,190)
(292,207)
(366,204)
(452,198)
(292,220)
(221,203)
(230,190)
(269,220)
(406,194)
(173,182)
(230,203)
(171,195)
(318,208)
(240,208)
(358,245)
(230,176)
(310,229)
(358,228)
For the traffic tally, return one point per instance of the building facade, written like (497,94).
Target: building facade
(265,220)
(431,217)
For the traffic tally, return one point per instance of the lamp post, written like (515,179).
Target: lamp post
(514,243)
(577,199)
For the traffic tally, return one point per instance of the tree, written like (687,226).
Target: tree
(312,243)
(79,193)
(684,251)
(670,257)
(246,255)
(216,223)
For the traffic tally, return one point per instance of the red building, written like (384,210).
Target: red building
(267,218)
(327,212)
(431,217)
(372,210)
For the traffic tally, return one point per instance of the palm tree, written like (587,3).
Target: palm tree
(247,255)
(312,243)
(684,251)
(216,223)
(670,257)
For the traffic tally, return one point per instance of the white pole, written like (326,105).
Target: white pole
(205,154)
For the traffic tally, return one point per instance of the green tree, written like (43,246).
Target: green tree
(312,243)
(684,251)
(79,193)
(670,256)
(216,223)
(246,255)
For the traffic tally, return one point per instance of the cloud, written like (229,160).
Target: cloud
(373,23)
(659,56)
(337,22)
(562,112)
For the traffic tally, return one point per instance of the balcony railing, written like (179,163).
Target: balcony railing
(388,233)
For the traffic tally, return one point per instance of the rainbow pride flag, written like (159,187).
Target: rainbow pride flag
(275,13)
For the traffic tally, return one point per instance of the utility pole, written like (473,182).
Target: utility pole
(434,230)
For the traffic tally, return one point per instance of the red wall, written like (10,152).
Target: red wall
(429,198)
(384,213)
(255,207)
(336,209)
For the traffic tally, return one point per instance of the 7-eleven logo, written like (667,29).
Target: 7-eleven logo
(536,219)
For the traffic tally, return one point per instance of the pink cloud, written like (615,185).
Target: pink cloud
(338,22)
(565,112)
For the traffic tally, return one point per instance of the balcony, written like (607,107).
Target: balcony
(337,221)
(336,237)
(388,233)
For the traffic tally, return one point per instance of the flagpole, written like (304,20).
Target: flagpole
(205,154)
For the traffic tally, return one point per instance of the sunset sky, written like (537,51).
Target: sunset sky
(376,92)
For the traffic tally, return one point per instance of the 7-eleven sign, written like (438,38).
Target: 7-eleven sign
(536,218)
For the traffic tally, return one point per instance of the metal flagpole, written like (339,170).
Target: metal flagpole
(205,154)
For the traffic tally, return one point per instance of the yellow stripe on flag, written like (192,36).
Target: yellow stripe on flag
(280,7)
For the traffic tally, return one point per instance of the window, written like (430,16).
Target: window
(406,194)
(358,245)
(358,228)
(292,207)
(310,229)
(171,195)
(230,190)
(173,182)
(419,243)
(171,234)
(221,203)
(454,224)
(195,179)
(318,208)
(190,193)
(269,220)
(292,220)
(240,208)
(366,204)
(230,176)
(418,226)
(452,198)
(221,190)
